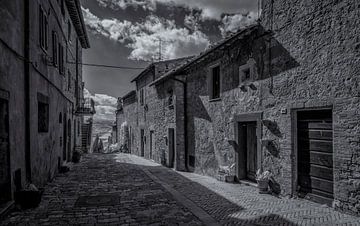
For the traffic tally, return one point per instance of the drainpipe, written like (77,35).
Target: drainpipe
(184,83)
(27,89)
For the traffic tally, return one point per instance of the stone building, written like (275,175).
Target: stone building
(155,114)
(41,90)
(281,95)
(126,123)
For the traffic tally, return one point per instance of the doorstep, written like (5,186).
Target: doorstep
(6,208)
(248,183)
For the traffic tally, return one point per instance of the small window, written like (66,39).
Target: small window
(43,114)
(142,97)
(60,118)
(215,83)
(247,71)
(61,59)
(55,44)
(43,29)
(62,5)
(171,98)
(69,80)
(69,31)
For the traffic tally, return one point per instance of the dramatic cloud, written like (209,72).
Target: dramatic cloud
(210,9)
(105,106)
(144,37)
(232,23)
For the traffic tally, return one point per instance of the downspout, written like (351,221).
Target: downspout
(184,83)
(27,89)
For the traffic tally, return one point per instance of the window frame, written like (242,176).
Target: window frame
(43,117)
(248,66)
(55,42)
(43,29)
(142,97)
(211,84)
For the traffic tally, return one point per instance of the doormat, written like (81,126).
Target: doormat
(96,201)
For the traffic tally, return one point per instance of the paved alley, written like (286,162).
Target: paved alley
(121,189)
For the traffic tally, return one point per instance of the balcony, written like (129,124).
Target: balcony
(86,108)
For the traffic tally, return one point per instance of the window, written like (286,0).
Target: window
(215,82)
(69,31)
(55,44)
(62,5)
(43,29)
(171,98)
(247,71)
(69,81)
(60,118)
(142,97)
(43,113)
(61,59)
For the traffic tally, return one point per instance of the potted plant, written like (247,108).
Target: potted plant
(29,197)
(76,156)
(262,179)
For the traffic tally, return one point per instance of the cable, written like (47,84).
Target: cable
(108,66)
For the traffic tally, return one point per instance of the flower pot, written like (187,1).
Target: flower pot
(28,199)
(263,186)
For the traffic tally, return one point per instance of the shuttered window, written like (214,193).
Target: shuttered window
(55,44)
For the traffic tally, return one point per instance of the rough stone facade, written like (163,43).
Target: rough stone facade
(157,115)
(323,38)
(41,100)
(126,122)
(294,65)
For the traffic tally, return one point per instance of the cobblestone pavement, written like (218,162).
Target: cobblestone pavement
(120,194)
(136,191)
(240,204)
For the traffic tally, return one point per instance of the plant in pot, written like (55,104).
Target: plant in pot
(262,178)
(76,156)
(29,197)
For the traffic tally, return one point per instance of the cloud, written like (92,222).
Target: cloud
(232,23)
(144,37)
(105,106)
(210,9)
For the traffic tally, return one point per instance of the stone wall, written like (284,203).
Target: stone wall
(12,88)
(323,37)
(303,64)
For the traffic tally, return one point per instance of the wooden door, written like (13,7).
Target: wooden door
(142,141)
(251,150)
(5,182)
(171,147)
(152,144)
(315,155)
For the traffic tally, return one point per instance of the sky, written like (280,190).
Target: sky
(128,33)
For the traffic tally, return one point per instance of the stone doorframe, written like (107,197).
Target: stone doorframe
(239,157)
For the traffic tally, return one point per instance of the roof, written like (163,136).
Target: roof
(77,19)
(129,94)
(152,65)
(226,42)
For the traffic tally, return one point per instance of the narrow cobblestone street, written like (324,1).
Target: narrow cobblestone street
(121,189)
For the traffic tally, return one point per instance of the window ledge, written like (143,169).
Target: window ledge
(215,100)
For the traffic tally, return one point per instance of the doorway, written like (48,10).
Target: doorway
(171,134)
(315,155)
(248,149)
(152,144)
(64,138)
(5,181)
(142,142)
